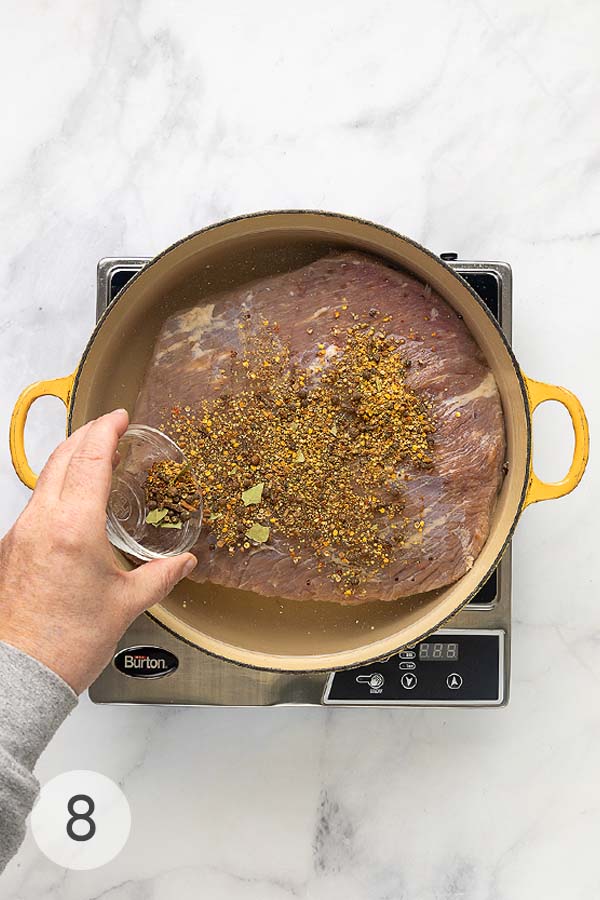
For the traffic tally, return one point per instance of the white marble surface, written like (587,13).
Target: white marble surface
(471,126)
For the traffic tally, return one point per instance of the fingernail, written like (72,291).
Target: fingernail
(120,410)
(189,566)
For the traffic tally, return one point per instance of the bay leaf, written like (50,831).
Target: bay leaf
(177,525)
(253,495)
(258,533)
(155,516)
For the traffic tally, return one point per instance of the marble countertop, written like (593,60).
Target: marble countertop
(469,126)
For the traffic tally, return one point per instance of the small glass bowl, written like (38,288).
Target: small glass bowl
(126,512)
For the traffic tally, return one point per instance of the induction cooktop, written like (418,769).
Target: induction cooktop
(466,663)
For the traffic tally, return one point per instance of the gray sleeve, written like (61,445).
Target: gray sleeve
(34,702)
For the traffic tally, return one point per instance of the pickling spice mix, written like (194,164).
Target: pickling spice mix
(286,453)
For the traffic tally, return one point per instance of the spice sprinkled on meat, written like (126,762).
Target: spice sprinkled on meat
(311,452)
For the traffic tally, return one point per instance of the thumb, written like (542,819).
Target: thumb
(154,580)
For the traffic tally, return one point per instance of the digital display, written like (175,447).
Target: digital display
(438,652)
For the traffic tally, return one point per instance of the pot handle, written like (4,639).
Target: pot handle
(56,387)
(537,489)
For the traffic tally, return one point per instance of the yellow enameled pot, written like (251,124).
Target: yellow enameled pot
(244,627)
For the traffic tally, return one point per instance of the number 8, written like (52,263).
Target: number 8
(85,817)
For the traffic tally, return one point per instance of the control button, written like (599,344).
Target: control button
(375,681)
(454,681)
(449,257)
(407,654)
(408,665)
(408,681)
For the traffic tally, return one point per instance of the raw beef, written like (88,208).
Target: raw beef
(455,498)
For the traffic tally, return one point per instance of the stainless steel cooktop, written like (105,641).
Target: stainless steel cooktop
(464,664)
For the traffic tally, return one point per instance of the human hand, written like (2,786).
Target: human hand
(63,598)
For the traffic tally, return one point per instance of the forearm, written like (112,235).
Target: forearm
(66,601)
(34,702)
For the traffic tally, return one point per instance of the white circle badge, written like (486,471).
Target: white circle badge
(81,819)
